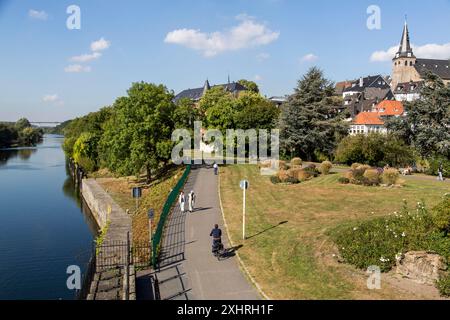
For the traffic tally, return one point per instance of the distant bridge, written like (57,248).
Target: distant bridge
(43,123)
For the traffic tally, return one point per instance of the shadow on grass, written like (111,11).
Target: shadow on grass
(268,229)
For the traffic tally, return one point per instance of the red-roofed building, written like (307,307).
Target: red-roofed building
(367,122)
(390,108)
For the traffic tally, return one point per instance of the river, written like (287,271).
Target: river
(43,229)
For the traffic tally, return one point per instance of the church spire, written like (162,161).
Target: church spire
(405,49)
(206,87)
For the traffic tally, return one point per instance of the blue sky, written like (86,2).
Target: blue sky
(180,43)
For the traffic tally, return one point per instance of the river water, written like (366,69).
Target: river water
(43,229)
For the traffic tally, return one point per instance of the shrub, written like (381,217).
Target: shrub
(357,174)
(311,169)
(344,180)
(355,165)
(275,179)
(304,175)
(291,180)
(390,177)
(375,149)
(372,177)
(325,167)
(295,162)
(441,215)
(295,172)
(282,175)
(444,286)
(381,241)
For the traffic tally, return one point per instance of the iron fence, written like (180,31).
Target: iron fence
(172,198)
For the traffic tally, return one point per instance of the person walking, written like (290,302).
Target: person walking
(191,201)
(440,172)
(216,169)
(182,201)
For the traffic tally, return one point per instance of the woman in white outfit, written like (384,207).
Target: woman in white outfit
(191,201)
(182,201)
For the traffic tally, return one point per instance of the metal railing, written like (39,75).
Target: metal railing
(171,200)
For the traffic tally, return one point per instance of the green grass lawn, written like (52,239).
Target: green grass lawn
(288,252)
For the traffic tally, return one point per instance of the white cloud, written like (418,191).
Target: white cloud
(77,68)
(428,51)
(100,45)
(262,56)
(50,98)
(248,33)
(39,15)
(309,58)
(86,57)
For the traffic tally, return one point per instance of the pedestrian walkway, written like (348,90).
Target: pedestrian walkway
(188,270)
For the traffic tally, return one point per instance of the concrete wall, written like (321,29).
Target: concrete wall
(105,209)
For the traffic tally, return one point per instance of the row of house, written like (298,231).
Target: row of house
(374,99)
(370,100)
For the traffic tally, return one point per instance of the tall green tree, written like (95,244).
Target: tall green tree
(308,122)
(250,85)
(8,135)
(427,122)
(253,111)
(22,124)
(217,107)
(138,135)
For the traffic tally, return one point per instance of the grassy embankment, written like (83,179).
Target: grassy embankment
(153,196)
(288,251)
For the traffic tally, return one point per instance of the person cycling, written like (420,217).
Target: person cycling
(216,233)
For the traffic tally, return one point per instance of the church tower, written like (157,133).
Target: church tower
(403,69)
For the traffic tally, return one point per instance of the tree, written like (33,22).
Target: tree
(85,151)
(218,108)
(185,114)
(427,122)
(138,135)
(22,124)
(308,122)
(8,135)
(255,112)
(30,136)
(250,85)
(374,149)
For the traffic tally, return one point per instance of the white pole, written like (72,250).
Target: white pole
(243,219)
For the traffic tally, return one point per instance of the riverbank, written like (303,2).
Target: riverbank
(154,196)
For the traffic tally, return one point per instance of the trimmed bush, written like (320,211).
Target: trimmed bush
(357,174)
(344,180)
(292,180)
(312,170)
(390,177)
(295,162)
(282,175)
(372,177)
(294,172)
(304,175)
(325,167)
(275,179)
(441,215)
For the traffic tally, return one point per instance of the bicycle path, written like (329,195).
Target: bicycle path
(189,271)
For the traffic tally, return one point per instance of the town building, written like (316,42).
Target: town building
(364,94)
(408,91)
(407,68)
(197,93)
(374,121)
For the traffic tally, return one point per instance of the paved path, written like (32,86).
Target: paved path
(188,269)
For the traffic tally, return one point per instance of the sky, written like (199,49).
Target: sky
(49,72)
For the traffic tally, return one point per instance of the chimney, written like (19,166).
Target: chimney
(361,82)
